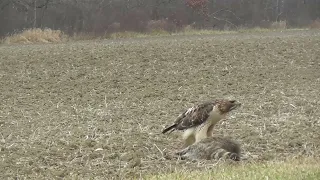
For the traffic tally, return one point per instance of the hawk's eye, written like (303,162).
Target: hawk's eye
(232,101)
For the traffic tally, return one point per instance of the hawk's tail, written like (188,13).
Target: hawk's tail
(172,128)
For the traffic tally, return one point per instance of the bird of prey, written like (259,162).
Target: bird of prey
(198,121)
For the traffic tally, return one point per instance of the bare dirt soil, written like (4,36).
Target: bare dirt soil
(96,109)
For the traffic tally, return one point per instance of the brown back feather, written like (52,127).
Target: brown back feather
(194,116)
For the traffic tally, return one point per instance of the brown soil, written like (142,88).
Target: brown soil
(97,109)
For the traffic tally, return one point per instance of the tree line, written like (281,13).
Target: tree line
(101,16)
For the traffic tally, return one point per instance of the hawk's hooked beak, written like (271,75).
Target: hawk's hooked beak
(234,105)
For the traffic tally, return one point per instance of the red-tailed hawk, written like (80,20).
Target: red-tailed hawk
(199,120)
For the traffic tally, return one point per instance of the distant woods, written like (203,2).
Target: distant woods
(103,16)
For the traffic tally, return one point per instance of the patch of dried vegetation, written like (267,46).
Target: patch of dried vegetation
(36,35)
(158,28)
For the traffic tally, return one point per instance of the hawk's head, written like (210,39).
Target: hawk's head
(226,106)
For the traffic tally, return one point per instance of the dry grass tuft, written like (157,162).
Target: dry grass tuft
(36,35)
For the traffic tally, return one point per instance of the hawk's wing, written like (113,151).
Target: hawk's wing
(194,116)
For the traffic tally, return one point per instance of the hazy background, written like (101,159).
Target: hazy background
(103,16)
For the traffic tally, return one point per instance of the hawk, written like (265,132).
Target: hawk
(198,121)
